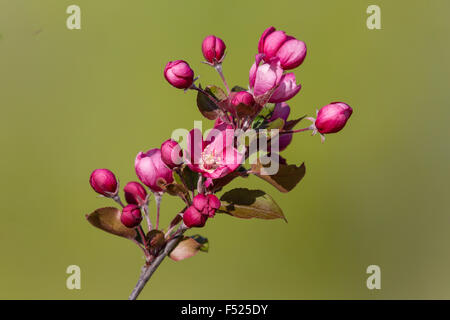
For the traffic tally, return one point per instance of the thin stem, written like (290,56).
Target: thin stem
(142,235)
(116,198)
(296,131)
(214,100)
(141,247)
(158,197)
(194,87)
(200,186)
(147,271)
(147,216)
(181,229)
(220,71)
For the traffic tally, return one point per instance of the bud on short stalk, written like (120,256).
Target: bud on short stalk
(213,49)
(131,216)
(135,193)
(171,153)
(333,117)
(150,169)
(242,97)
(276,44)
(104,182)
(268,77)
(179,74)
(193,218)
(206,204)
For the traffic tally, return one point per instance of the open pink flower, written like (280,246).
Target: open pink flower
(286,90)
(269,76)
(214,157)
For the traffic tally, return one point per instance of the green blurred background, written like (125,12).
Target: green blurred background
(376,193)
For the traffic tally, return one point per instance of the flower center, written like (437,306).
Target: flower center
(209,161)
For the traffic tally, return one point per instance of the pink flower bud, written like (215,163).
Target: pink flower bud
(292,53)
(289,50)
(171,153)
(103,182)
(213,49)
(179,74)
(193,218)
(333,117)
(131,216)
(135,193)
(286,90)
(206,205)
(150,168)
(264,77)
(242,97)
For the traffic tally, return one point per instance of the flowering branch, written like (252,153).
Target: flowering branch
(148,270)
(206,165)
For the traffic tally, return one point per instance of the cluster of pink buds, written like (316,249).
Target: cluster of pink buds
(203,207)
(197,172)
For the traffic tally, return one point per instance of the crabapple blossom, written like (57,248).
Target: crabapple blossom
(131,216)
(288,49)
(206,204)
(179,74)
(213,49)
(333,117)
(135,193)
(104,182)
(150,169)
(171,153)
(193,218)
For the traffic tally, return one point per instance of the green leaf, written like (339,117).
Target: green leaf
(287,177)
(276,124)
(108,219)
(246,204)
(216,92)
(267,110)
(289,125)
(203,241)
(206,106)
(190,177)
(264,114)
(258,122)
(189,247)
(238,89)
(218,184)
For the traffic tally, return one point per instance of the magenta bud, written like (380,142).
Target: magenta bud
(103,182)
(213,49)
(242,97)
(171,153)
(135,193)
(265,77)
(290,51)
(193,218)
(179,74)
(150,169)
(131,216)
(333,117)
(206,204)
